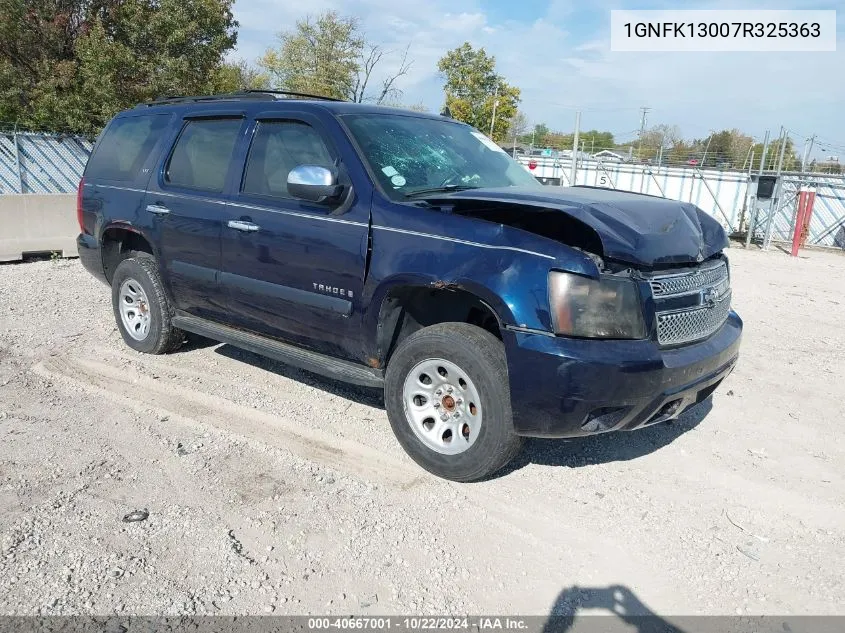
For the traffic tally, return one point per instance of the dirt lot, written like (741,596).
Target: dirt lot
(272,490)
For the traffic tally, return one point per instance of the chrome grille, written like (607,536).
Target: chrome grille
(686,326)
(701,319)
(689,282)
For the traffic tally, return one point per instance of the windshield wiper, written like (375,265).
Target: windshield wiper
(443,189)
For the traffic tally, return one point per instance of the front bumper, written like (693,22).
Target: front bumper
(563,387)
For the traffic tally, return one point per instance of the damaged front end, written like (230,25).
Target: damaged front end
(661,270)
(645,232)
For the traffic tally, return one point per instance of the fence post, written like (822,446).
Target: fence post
(806,199)
(18,161)
(808,216)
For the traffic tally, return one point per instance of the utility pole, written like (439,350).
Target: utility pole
(763,155)
(775,204)
(662,143)
(642,129)
(572,168)
(706,147)
(784,134)
(752,216)
(495,103)
(807,149)
(751,154)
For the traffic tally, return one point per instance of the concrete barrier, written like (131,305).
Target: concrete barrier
(37,223)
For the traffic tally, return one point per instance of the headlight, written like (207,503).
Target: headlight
(584,307)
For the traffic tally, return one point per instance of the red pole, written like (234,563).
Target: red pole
(808,216)
(799,221)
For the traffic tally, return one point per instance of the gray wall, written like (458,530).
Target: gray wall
(37,223)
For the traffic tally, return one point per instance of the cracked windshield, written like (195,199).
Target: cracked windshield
(411,156)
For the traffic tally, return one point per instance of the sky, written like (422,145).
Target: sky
(558,53)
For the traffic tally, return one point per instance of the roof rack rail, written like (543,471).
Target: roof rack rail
(263,95)
(304,95)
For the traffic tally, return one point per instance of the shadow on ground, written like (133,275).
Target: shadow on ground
(608,447)
(585,609)
(361,395)
(598,449)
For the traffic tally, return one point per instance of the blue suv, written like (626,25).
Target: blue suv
(407,252)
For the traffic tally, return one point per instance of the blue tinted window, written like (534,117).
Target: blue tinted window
(277,148)
(202,154)
(125,147)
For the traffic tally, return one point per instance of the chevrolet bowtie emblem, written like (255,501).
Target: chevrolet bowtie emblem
(709,297)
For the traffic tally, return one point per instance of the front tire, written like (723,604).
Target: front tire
(141,308)
(448,401)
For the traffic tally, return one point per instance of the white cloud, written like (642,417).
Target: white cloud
(464,22)
(560,67)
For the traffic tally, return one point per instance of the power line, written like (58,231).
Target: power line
(589,108)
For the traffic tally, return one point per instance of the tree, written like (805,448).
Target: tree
(677,154)
(413,107)
(517,126)
(740,148)
(656,138)
(320,56)
(717,149)
(790,157)
(537,135)
(237,76)
(595,141)
(70,65)
(726,148)
(558,140)
(330,56)
(473,90)
(365,70)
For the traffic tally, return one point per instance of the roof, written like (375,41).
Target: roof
(271,100)
(607,152)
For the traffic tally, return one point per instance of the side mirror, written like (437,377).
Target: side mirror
(314,184)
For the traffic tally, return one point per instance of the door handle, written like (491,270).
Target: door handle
(242,225)
(157,209)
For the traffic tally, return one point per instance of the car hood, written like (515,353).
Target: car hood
(633,228)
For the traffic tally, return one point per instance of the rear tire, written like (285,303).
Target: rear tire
(141,308)
(444,370)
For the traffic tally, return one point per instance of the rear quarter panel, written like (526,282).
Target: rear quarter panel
(110,203)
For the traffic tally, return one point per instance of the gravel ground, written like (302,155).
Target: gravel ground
(270,490)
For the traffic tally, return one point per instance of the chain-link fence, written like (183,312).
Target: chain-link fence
(727,195)
(827,223)
(32,162)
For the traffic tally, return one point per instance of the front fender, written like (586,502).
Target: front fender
(514,286)
(506,268)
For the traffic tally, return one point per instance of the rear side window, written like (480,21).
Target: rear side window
(125,147)
(202,154)
(278,147)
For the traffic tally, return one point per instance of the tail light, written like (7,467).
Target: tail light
(79,205)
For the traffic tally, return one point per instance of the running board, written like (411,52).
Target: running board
(342,370)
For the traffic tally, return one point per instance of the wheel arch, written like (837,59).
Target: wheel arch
(407,303)
(117,240)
